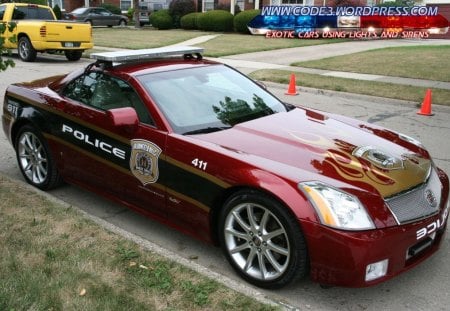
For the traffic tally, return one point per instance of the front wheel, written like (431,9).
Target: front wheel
(262,240)
(26,51)
(34,159)
(122,23)
(73,55)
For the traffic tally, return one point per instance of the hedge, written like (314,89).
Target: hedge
(216,20)
(161,19)
(242,19)
(179,8)
(189,21)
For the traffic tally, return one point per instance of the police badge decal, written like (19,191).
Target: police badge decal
(144,161)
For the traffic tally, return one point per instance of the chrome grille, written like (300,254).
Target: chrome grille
(413,205)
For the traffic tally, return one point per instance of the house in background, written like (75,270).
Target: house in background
(124,5)
(206,5)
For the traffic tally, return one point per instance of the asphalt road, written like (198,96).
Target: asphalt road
(424,288)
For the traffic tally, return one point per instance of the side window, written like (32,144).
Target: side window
(44,14)
(82,88)
(105,92)
(2,12)
(19,13)
(103,12)
(31,12)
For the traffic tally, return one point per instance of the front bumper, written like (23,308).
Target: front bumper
(341,257)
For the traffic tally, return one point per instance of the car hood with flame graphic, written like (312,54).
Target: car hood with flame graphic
(352,152)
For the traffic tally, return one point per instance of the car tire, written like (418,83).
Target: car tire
(35,160)
(270,250)
(122,23)
(90,22)
(25,49)
(73,55)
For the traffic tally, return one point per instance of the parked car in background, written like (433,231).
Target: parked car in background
(97,17)
(144,15)
(38,31)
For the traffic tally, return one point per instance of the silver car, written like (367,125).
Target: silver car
(97,16)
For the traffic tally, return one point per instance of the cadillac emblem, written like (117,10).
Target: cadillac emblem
(379,158)
(144,161)
(430,198)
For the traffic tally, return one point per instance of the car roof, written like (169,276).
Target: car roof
(161,65)
(140,62)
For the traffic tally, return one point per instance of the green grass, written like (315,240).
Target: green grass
(55,259)
(224,44)
(131,38)
(419,62)
(380,89)
(230,44)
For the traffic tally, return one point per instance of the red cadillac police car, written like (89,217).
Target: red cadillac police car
(285,191)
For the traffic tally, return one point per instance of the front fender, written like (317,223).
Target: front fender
(20,110)
(285,191)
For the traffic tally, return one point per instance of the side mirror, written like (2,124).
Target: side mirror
(125,118)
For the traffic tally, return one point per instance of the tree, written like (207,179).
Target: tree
(137,23)
(8,62)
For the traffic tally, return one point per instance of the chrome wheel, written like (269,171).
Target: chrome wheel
(262,239)
(32,158)
(26,51)
(35,160)
(257,241)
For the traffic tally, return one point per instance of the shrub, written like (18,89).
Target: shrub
(216,20)
(112,8)
(242,19)
(226,7)
(130,13)
(57,11)
(161,19)
(179,8)
(189,21)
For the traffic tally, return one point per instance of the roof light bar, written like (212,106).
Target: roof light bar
(146,54)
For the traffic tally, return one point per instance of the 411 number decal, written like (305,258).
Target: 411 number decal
(199,164)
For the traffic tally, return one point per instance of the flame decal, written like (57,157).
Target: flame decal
(337,157)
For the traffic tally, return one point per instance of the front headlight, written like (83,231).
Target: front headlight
(337,208)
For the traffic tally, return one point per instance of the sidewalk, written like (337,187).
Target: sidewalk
(250,66)
(282,58)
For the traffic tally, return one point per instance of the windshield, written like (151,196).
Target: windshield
(79,11)
(206,99)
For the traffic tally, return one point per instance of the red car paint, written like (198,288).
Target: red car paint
(272,154)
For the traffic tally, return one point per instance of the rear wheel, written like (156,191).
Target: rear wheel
(26,51)
(262,240)
(34,159)
(73,55)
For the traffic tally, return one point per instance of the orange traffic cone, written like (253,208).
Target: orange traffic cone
(292,89)
(426,105)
